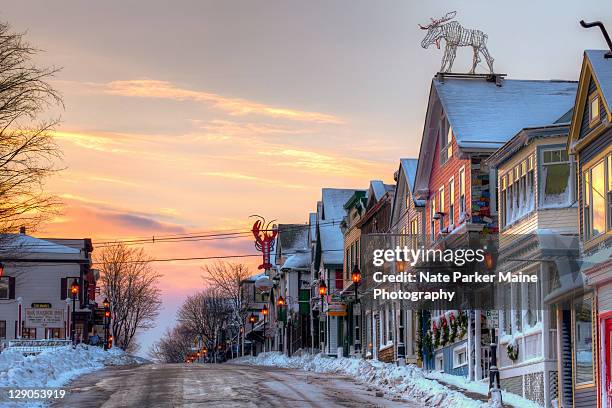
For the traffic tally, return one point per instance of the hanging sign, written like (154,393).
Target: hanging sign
(337,309)
(44,317)
(264,240)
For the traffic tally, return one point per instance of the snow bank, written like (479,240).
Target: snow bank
(56,367)
(408,381)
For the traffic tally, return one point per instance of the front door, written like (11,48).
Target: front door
(608,366)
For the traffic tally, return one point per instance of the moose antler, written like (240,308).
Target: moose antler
(434,22)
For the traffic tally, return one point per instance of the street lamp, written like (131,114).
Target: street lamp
(264,312)
(74,290)
(252,320)
(106,305)
(280,302)
(322,293)
(356,278)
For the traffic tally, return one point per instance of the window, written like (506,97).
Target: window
(462,193)
(593,109)
(583,341)
(556,179)
(4,287)
(390,325)
(68,284)
(432,221)
(54,333)
(441,210)
(2,329)
(446,142)
(517,197)
(596,190)
(533,300)
(28,332)
(347,262)
(414,232)
(451,201)
(459,356)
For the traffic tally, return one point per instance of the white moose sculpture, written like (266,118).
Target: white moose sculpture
(456,36)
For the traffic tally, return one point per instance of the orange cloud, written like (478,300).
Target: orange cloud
(150,88)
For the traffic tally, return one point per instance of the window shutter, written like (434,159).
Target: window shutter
(11,287)
(63,289)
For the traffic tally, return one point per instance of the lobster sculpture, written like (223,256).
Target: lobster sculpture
(264,239)
(456,36)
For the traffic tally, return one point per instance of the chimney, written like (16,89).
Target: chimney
(22,230)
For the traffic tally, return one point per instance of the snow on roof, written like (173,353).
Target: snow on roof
(484,115)
(299,260)
(312,219)
(292,237)
(602,70)
(332,239)
(410,167)
(26,244)
(378,187)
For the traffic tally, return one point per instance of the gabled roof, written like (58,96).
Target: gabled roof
(407,171)
(330,216)
(602,72)
(524,138)
(21,244)
(484,116)
(409,167)
(292,237)
(599,69)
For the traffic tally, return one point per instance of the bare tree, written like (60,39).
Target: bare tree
(207,314)
(131,286)
(174,346)
(226,276)
(28,154)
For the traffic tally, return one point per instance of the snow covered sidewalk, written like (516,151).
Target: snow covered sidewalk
(55,367)
(409,382)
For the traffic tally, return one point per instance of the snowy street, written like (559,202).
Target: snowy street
(226,385)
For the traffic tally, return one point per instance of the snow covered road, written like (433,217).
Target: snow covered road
(226,385)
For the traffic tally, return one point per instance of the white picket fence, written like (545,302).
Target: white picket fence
(35,346)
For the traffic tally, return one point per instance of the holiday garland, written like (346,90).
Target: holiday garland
(513,351)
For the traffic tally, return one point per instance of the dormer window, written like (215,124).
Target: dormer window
(594,109)
(446,143)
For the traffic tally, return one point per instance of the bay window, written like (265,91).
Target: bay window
(597,198)
(517,192)
(555,187)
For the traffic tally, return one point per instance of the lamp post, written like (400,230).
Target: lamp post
(356,278)
(106,305)
(322,293)
(280,302)
(74,290)
(252,320)
(264,312)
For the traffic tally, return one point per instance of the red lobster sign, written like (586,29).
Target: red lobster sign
(264,239)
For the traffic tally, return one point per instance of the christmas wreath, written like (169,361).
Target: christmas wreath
(513,350)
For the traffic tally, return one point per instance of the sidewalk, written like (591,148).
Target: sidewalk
(409,382)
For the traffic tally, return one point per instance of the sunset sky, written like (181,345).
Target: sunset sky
(190,116)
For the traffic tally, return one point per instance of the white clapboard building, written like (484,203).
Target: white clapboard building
(35,298)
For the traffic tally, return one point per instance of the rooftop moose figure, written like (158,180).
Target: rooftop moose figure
(456,36)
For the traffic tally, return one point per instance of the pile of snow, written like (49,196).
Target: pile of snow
(55,367)
(409,382)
